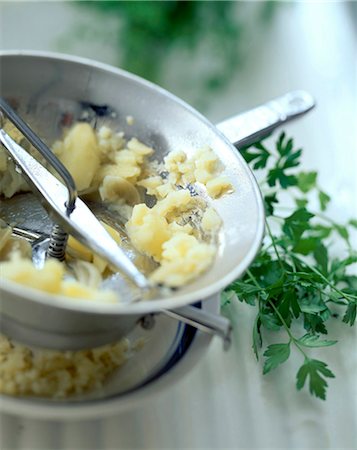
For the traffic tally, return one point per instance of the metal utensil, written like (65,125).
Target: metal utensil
(58,87)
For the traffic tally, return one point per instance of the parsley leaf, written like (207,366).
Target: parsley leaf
(270,321)
(324,200)
(306,181)
(321,257)
(342,231)
(279,175)
(312,340)
(258,154)
(315,370)
(269,201)
(350,314)
(275,354)
(257,337)
(288,159)
(297,223)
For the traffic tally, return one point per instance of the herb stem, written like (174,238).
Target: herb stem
(345,296)
(254,280)
(287,329)
(274,245)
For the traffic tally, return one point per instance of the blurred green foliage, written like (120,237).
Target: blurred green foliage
(150,32)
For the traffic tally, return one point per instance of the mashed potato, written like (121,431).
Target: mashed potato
(109,168)
(58,374)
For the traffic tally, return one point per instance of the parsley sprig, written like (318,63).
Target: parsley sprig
(295,279)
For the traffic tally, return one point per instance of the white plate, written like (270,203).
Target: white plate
(171,349)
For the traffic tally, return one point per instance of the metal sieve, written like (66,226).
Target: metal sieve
(46,89)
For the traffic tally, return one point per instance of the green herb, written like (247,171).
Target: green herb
(294,280)
(209,39)
(317,384)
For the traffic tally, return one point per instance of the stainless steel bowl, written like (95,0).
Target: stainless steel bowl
(45,87)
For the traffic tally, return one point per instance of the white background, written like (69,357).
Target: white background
(225,402)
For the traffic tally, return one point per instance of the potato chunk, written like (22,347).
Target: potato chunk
(116,188)
(148,230)
(80,154)
(183,258)
(22,271)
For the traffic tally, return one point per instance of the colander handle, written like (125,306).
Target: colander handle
(249,127)
(203,321)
